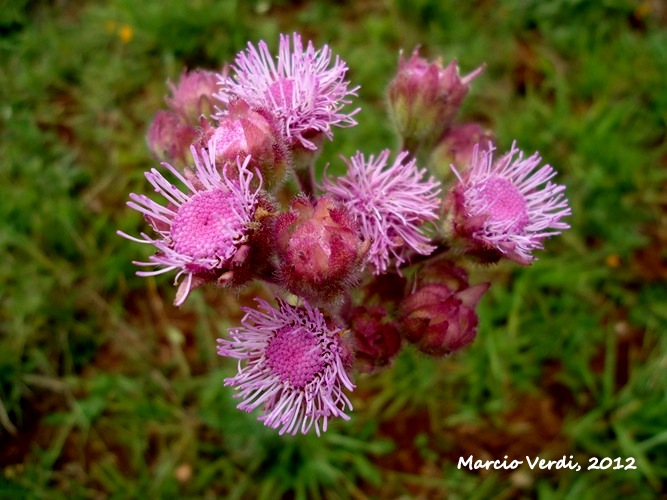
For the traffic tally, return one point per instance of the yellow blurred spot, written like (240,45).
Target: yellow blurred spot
(613,260)
(643,10)
(125,33)
(183,472)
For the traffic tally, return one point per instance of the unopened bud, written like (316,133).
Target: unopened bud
(455,148)
(169,139)
(320,250)
(376,339)
(424,98)
(242,132)
(439,318)
(193,97)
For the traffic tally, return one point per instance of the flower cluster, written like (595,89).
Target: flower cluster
(336,256)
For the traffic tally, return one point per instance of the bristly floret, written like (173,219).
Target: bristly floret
(507,207)
(291,363)
(303,89)
(201,228)
(392,204)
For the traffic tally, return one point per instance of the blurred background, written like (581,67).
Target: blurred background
(107,390)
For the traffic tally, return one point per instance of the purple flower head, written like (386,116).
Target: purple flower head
(201,230)
(392,204)
(302,89)
(193,95)
(507,208)
(295,367)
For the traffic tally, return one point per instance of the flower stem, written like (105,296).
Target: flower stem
(306,179)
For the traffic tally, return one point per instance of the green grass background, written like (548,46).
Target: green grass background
(108,391)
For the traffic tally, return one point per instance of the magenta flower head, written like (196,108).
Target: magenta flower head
(456,148)
(303,89)
(391,204)
(439,316)
(292,363)
(193,97)
(169,139)
(319,249)
(424,98)
(202,231)
(506,208)
(244,132)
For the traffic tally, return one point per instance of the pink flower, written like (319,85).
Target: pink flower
(302,89)
(201,230)
(292,363)
(506,208)
(392,205)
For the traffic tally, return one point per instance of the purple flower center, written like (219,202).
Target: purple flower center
(281,92)
(207,226)
(294,355)
(505,203)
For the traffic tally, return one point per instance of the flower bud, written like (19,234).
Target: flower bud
(242,132)
(440,318)
(455,148)
(387,289)
(193,97)
(169,139)
(424,98)
(376,340)
(319,248)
